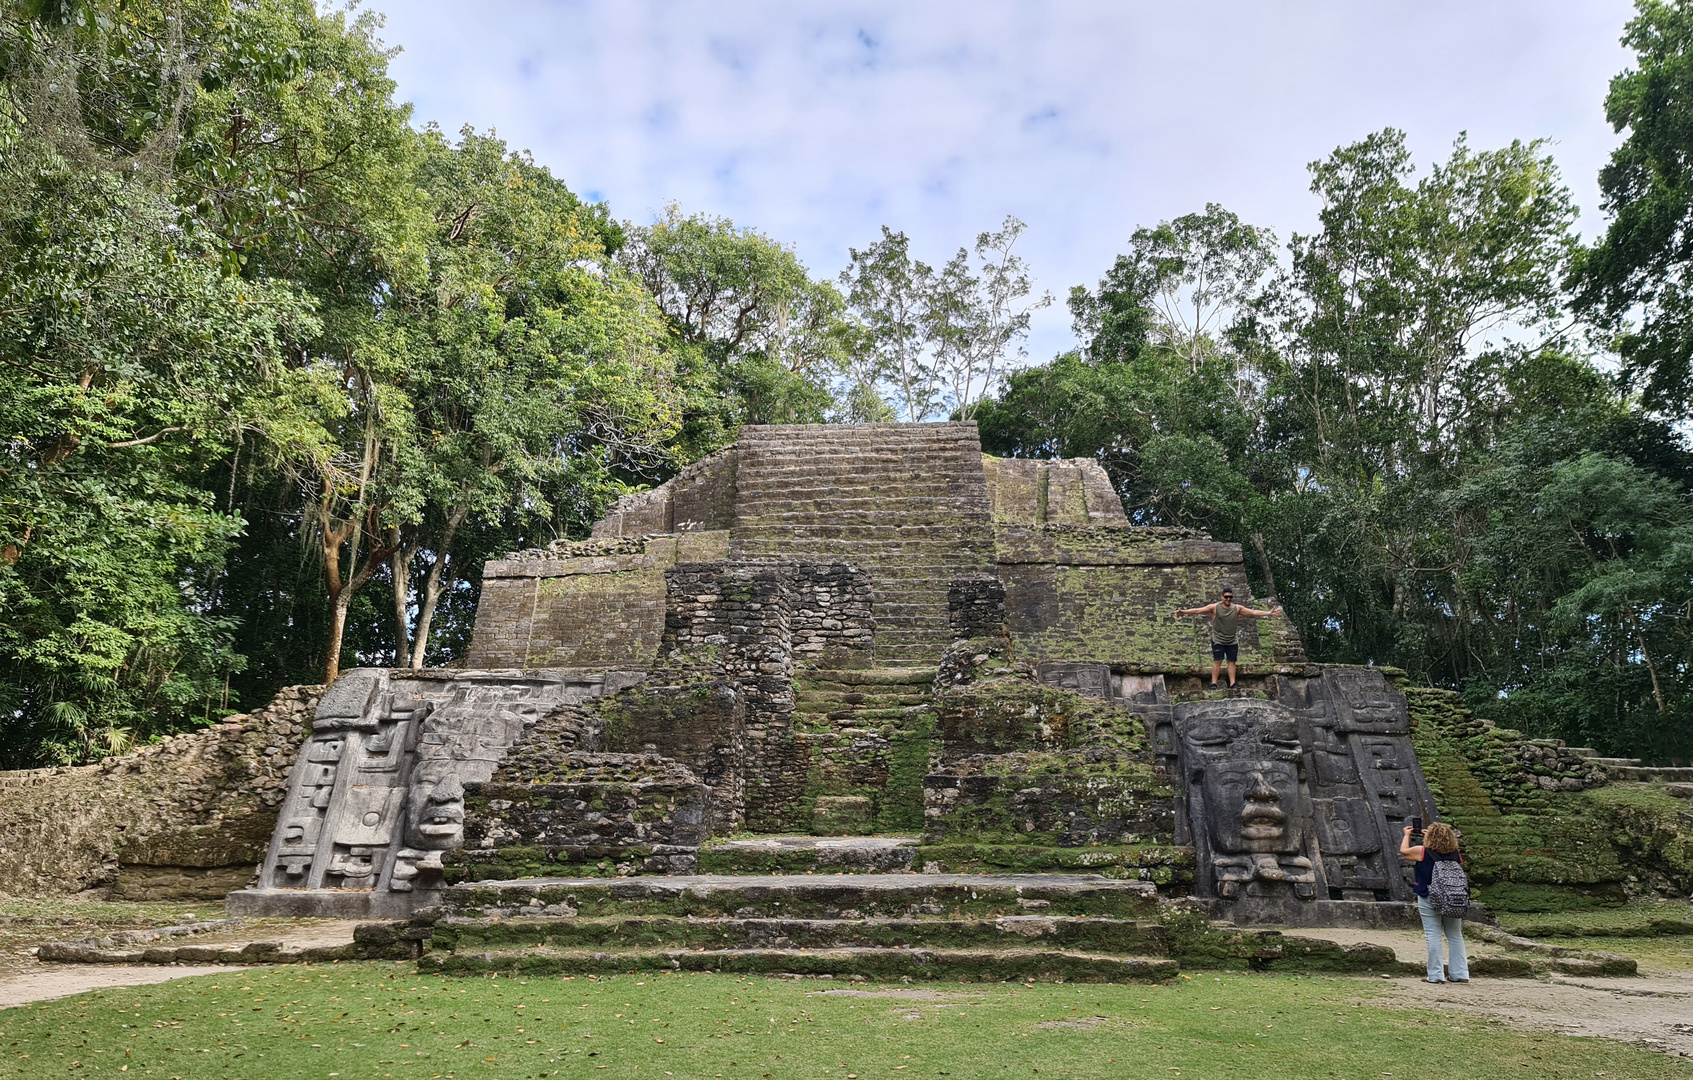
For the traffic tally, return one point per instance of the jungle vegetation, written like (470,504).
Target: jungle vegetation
(279,369)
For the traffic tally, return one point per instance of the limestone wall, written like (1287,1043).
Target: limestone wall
(597,605)
(1075,491)
(582,814)
(188,817)
(1108,595)
(700,497)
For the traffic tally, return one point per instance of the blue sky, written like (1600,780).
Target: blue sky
(817,123)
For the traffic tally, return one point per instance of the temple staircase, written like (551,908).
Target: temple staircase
(846,699)
(907,502)
(906,926)
(1632,769)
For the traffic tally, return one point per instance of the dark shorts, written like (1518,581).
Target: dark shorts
(1231,653)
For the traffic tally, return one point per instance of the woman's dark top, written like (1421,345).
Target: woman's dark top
(1424,870)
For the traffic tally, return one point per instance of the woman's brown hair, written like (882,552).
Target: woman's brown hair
(1440,838)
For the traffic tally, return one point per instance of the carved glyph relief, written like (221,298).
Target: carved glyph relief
(377,796)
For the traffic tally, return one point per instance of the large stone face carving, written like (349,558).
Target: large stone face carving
(1293,800)
(1241,759)
(377,796)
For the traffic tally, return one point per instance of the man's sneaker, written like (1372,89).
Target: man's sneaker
(1214,686)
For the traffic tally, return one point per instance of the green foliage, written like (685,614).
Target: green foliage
(910,750)
(935,340)
(264,344)
(1397,429)
(1636,280)
(124,354)
(763,341)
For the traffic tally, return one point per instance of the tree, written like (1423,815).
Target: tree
(770,340)
(517,363)
(1637,281)
(1193,278)
(1404,315)
(531,368)
(939,340)
(890,293)
(977,320)
(127,360)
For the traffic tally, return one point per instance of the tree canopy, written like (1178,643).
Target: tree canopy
(280,369)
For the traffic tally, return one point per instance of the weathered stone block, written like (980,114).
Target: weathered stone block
(841,815)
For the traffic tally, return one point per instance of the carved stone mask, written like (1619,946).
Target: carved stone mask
(436,819)
(1252,805)
(1244,755)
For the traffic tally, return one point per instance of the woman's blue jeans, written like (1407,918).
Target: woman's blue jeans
(1434,928)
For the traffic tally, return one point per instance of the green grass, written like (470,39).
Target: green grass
(384,1020)
(1639,918)
(1655,955)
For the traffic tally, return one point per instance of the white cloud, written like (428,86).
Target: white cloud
(818,123)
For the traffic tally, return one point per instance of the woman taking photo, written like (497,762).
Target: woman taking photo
(1440,844)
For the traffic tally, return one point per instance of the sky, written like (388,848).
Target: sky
(817,123)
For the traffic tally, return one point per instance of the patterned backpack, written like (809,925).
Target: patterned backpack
(1449,891)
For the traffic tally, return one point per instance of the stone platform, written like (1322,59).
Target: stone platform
(805,854)
(1076,927)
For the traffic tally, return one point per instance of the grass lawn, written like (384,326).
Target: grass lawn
(383,1020)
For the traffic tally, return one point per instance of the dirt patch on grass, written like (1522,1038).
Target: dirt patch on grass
(50,981)
(1652,1011)
(1081,1023)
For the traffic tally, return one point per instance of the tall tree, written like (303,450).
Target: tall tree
(890,292)
(1637,281)
(978,318)
(938,341)
(516,362)
(127,361)
(767,340)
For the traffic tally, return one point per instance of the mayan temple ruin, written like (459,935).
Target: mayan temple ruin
(969,664)
(852,701)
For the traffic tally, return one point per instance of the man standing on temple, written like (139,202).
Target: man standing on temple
(1225,616)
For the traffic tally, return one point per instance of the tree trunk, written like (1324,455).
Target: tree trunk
(337,624)
(432,586)
(1652,669)
(1264,561)
(331,539)
(399,569)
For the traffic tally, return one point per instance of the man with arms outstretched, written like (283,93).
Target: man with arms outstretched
(1225,616)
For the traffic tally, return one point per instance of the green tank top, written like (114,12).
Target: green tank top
(1225,621)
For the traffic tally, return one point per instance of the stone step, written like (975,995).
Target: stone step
(926,502)
(827,701)
(867,676)
(1648,773)
(830,896)
(1114,936)
(916,654)
(794,854)
(909,629)
(896,475)
(873,964)
(831,708)
(1616,762)
(856,717)
(893,442)
(933,551)
(969,548)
